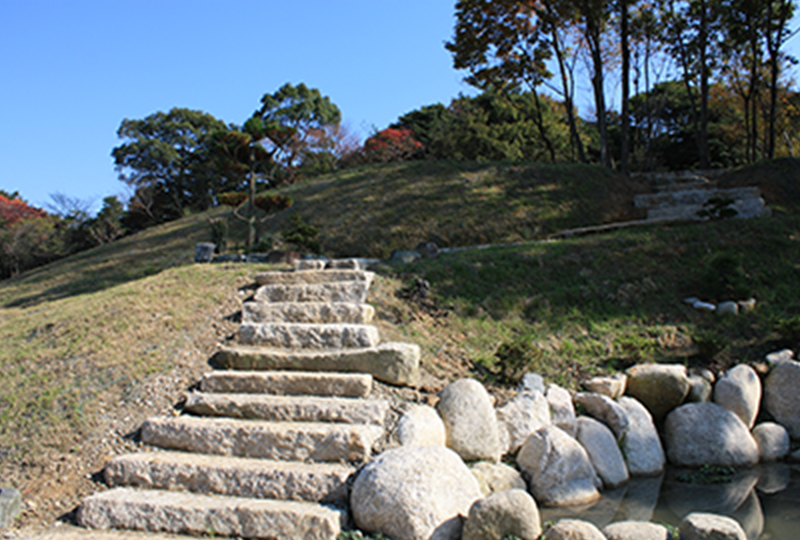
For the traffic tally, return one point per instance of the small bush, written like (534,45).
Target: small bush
(273,203)
(303,235)
(231,198)
(219,233)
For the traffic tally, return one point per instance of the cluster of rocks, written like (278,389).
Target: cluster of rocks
(728,307)
(629,425)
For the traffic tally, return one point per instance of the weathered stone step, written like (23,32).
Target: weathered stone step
(307,312)
(288,408)
(213,515)
(289,383)
(64,531)
(304,265)
(284,441)
(313,277)
(394,363)
(239,477)
(309,336)
(353,292)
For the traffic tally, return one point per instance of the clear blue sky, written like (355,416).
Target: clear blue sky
(72,70)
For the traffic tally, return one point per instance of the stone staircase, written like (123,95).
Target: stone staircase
(266,445)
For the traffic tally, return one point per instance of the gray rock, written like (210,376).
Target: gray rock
(699,389)
(204,252)
(604,409)
(612,387)
(700,526)
(781,398)
(636,530)
(641,444)
(558,469)
(727,308)
(777,357)
(739,391)
(505,512)
(414,493)
(494,477)
(304,265)
(469,420)
(604,453)
(531,382)
(573,529)
(10,503)
(402,256)
(704,306)
(562,410)
(708,434)
(523,415)
(420,425)
(773,441)
(659,387)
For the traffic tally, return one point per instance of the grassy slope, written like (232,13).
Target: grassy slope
(96,343)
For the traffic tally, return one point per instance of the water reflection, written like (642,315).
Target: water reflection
(765,500)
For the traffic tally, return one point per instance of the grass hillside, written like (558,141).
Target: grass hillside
(96,343)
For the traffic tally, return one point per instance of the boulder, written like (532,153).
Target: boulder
(414,493)
(503,513)
(658,387)
(727,308)
(573,529)
(772,440)
(558,469)
(204,252)
(701,526)
(420,425)
(612,387)
(531,382)
(778,357)
(781,398)
(699,389)
(698,434)
(636,530)
(494,477)
(604,409)
(604,453)
(523,415)
(641,444)
(562,410)
(739,391)
(469,420)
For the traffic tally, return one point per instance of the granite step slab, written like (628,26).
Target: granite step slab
(287,408)
(313,277)
(394,363)
(309,336)
(307,312)
(303,265)
(64,531)
(354,292)
(288,383)
(232,476)
(210,515)
(280,441)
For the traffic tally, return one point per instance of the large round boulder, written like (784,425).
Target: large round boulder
(503,513)
(523,415)
(699,434)
(558,469)
(641,444)
(781,398)
(414,493)
(604,453)
(604,409)
(773,441)
(469,420)
(739,391)
(660,387)
(420,425)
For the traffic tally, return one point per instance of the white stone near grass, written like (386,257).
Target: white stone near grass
(604,409)
(470,421)
(641,444)
(420,425)
(562,410)
(739,391)
(523,415)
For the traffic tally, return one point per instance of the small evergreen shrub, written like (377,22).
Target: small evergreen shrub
(303,235)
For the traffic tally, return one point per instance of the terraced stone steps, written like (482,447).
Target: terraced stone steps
(282,441)
(394,363)
(288,383)
(232,476)
(353,292)
(288,408)
(307,312)
(212,515)
(309,335)
(313,277)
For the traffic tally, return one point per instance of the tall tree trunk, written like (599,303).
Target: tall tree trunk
(594,42)
(705,161)
(626,72)
(539,120)
(577,144)
(775,39)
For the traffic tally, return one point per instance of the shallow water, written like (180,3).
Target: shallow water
(765,500)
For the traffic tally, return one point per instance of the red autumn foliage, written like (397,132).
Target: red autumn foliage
(14,210)
(391,144)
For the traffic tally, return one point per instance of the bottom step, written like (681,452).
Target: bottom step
(185,513)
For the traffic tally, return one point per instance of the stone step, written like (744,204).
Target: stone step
(313,277)
(283,441)
(239,477)
(307,312)
(304,265)
(211,515)
(288,408)
(394,363)
(309,336)
(64,531)
(352,292)
(289,383)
